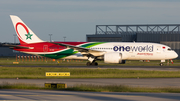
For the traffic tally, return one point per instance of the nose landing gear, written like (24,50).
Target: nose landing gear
(161,64)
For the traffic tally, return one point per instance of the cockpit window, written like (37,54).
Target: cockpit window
(169,49)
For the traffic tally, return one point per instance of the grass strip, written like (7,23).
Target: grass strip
(39,73)
(95,88)
(6,85)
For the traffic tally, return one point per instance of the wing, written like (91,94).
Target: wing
(84,51)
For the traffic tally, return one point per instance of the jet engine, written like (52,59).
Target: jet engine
(113,57)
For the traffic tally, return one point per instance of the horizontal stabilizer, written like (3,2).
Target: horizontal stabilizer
(16,46)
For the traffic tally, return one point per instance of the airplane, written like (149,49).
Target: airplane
(110,52)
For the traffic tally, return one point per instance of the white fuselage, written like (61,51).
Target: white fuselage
(136,51)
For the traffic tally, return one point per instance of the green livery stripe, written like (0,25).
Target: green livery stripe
(69,52)
(89,45)
(60,54)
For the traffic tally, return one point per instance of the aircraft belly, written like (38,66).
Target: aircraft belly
(76,56)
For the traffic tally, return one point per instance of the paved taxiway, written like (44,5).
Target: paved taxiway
(145,82)
(84,96)
(159,68)
(89,96)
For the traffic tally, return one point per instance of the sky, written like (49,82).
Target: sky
(74,19)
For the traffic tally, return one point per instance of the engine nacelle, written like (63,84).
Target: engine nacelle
(113,57)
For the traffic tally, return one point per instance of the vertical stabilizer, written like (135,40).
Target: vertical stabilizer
(24,33)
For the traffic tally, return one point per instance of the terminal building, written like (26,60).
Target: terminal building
(168,34)
(7,52)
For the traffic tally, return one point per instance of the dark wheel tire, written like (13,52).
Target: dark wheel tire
(94,64)
(161,64)
(88,63)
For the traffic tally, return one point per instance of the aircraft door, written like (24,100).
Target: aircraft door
(160,53)
(45,48)
(158,49)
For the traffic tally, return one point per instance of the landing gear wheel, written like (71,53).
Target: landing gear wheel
(161,64)
(88,63)
(95,64)
(92,64)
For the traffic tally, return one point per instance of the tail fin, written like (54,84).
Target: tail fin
(24,33)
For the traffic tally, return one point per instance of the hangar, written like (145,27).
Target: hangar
(168,34)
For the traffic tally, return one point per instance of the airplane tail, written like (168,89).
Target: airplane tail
(24,33)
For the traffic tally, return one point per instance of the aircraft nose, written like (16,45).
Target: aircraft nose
(175,55)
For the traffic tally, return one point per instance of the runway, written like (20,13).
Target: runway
(16,94)
(146,82)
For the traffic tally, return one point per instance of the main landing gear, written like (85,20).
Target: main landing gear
(92,61)
(92,64)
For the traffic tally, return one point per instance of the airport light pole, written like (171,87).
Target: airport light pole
(64,38)
(50,36)
(14,38)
